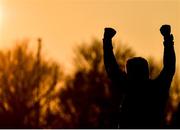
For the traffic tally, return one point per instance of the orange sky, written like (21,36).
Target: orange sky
(64,23)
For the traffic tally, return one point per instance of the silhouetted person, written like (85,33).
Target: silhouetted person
(139,102)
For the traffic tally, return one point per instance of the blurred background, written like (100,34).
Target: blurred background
(51,70)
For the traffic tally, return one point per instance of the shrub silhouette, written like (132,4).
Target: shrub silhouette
(27,84)
(30,96)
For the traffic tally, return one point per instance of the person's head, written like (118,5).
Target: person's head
(137,69)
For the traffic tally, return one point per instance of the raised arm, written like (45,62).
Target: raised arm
(169,61)
(112,67)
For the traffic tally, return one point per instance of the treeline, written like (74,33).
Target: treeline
(35,93)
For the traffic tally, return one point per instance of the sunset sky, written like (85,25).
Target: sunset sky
(62,24)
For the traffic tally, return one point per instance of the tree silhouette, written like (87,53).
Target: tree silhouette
(87,97)
(173,107)
(34,93)
(27,84)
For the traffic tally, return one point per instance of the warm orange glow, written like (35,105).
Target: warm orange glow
(64,23)
(1,16)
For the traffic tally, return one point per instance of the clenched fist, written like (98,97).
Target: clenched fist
(165,30)
(109,33)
